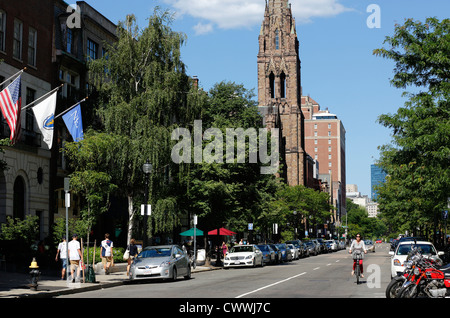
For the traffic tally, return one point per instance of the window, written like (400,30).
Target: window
(69,40)
(315,126)
(92,49)
(329,133)
(2,30)
(315,134)
(72,82)
(29,117)
(329,156)
(283,85)
(315,141)
(17,39)
(315,149)
(277,40)
(329,126)
(329,164)
(329,149)
(272,85)
(329,141)
(32,41)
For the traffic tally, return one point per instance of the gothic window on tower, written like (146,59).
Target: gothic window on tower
(277,40)
(272,85)
(283,85)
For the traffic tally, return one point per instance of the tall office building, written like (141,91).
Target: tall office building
(325,142)
(377,176)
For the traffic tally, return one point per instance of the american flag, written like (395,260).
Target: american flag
(11,104)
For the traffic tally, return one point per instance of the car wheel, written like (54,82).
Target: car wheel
(174,274)
(188,275)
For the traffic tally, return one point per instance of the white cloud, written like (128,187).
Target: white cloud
(201,28)
(235,14)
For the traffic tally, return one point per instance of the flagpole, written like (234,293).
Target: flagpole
(33,103)
(19,72)
(73,106)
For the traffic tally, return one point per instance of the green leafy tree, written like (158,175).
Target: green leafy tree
(418,158)
(143,94)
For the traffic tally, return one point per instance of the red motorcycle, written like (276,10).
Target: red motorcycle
(427,279)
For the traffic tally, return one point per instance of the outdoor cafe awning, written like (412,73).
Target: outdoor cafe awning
(190,232)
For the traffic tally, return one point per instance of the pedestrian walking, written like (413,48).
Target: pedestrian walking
(62,253)
(75,256)
(107,253)
(224,249)
(133,250)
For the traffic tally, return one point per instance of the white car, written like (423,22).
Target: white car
(334,246)
(294,251)
(244,255)
(398,257)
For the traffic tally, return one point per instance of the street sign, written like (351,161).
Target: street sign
(149,209)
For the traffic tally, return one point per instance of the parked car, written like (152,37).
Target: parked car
(321,244)
(401,253)
(312,248)
(299,246)
(244,255)
(370,247)
(163,261)
(378,241)
(305,249)
(278,255)
(294,251)
(268,253)
(333,244)
(285,252)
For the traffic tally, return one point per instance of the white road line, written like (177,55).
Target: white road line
(281,281)
(328,264)
(338,261)
(316,268)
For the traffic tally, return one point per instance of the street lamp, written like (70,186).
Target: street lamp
(147,168)
(295,224)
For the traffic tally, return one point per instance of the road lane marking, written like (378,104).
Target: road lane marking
(316,268)
(281,281)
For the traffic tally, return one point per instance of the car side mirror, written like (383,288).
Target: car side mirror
(177,255)
(391,253)
(440,253)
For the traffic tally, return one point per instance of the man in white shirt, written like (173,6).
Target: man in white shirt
(75,256)
(62,252)
(107,253)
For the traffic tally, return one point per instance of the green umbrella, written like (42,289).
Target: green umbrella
(190,232)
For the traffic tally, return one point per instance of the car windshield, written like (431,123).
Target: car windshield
(241,248)
(155,252)
(308,243)
(404,249)
(264,248)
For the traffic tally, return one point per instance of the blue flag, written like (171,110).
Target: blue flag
(74,123)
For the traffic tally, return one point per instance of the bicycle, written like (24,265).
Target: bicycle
(357,258)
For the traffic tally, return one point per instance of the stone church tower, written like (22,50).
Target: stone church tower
(279,87)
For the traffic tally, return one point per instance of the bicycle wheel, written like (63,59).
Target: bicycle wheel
(357,271)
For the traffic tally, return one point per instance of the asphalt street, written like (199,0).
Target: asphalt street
(322,276)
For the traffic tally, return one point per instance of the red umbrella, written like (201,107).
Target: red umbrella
(221,231)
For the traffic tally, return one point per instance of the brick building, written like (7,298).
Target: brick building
(26,41)
(325,142)
(36,35)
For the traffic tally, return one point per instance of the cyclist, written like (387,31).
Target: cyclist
(358,245)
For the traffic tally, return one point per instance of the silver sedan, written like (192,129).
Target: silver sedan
(163,261)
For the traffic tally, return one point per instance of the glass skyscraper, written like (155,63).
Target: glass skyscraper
(377,176)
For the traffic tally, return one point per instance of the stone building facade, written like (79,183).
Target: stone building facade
(279,88)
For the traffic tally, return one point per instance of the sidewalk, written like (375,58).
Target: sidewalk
(16,285)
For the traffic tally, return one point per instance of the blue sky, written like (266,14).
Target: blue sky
(339,70)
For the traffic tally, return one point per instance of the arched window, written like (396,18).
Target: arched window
(283,85)
(19,199)
(277,39)
(272,85)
